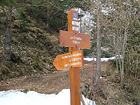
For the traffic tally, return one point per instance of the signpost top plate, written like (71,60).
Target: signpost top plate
(74,39)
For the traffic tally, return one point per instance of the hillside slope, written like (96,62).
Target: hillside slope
(33,47)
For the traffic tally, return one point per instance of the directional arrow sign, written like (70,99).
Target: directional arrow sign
(73,59)
(74,39)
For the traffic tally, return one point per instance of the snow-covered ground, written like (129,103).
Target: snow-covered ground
(102,59)
(16,97)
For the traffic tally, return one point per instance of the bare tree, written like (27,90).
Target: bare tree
(8,35)
(98,60)
(7,40)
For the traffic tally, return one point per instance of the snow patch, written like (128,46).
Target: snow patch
(102,59)
(16,97)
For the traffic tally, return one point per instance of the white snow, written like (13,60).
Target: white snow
(102,59)
(16,97)
(89,59)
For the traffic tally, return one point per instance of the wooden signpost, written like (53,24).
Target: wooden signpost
(74,59)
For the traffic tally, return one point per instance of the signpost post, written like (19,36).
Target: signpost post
(74,59)
(74,72)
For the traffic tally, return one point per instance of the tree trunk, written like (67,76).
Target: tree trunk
(7,42)
(123,53)
(98,59)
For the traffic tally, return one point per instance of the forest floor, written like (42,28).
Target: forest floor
(109,92)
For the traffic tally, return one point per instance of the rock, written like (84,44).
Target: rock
(16,59)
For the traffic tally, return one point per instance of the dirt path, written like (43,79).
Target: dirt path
(53,82)
(109,93)
(41,83)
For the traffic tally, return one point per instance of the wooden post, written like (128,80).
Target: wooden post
(74,72)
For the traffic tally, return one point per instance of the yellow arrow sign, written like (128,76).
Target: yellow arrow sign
(73,59)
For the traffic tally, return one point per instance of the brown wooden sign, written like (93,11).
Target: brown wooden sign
(74,59)
(74,39)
